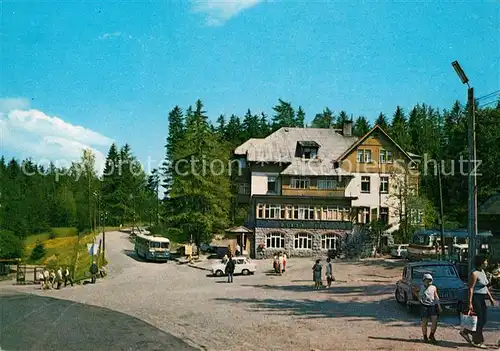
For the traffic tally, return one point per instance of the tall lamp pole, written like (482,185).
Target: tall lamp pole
(472,179)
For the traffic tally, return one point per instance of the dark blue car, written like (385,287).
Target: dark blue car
(451,289)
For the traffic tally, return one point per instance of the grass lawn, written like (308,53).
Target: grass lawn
(63,249)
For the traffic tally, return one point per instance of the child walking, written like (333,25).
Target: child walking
(429,306)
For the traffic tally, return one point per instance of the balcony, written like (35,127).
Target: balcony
(312,191)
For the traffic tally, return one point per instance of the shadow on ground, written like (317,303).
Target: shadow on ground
(30,322)
(384,309)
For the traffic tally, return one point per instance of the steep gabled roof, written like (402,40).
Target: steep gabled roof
(362,139)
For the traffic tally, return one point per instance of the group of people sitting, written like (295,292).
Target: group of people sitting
(54,279)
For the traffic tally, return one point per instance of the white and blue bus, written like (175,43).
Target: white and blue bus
(152,248)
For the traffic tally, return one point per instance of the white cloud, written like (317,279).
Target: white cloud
(110,35)
(8,104)
(219,12)
(32,133)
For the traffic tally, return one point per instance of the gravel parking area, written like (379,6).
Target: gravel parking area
(264,311)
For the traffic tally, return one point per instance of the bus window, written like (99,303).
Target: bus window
(154,244)
(164,245)
(421,240)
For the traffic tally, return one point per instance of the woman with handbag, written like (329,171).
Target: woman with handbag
(478,293)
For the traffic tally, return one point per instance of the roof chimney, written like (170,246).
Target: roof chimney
(347,129)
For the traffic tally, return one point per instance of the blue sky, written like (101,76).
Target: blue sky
(112,71)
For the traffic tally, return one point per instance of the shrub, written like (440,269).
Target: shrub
(52,235)
(38,251)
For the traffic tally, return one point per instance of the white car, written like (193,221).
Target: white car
(399,251)
(243,265)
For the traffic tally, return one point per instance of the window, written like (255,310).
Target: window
(300,183)
(260,210)
(384,215)
(303,241)
(330,242)
(385,156)
(384,185)
(270,211)
(365,215)
(365,184)
(275,241)
(309,152)
(271,184)
(244,189)
(329,213)
(344,213)
(306,212)
(327,184)
(364,156)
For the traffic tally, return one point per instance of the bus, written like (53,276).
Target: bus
(152,248)
(426,244)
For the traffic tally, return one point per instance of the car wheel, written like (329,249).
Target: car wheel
(245,272)
(397,295)
(219,273)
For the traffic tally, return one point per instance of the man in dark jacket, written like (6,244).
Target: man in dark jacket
(230,269)
(93,271)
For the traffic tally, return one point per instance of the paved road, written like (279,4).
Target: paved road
(31,322)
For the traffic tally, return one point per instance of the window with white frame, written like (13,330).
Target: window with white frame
(365,184)
(244,189)
(305,212)
(329,213)
(364,156)
(330,241)
(275,240)
(364,215)
(344,213)
(327,184)
(300,183)
(260,210)
(272,211)
(385,156)
(303,241)
(384,185)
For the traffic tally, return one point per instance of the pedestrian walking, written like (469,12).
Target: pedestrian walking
(59,277)
(238,250)
(478,293)
(46,278)
(41,278)
(67,277)
(230,269)
(285,257)
(93,271)
(317,268)
(280,263)
(329,272)
(430,308)
(52,277)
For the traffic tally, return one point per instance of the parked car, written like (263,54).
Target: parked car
(399,250)
(451,289)
(243,265)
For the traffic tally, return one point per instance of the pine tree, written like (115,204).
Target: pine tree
(361,126)
(284,115)
(399,129)
(176,131)
(250,126)
(382,122)
(202,194)
(300,119)
(110,184)
(325,119)
(342,119)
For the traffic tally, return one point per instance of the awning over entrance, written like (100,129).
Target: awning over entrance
(238,230)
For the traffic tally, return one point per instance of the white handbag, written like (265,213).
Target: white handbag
(468,321)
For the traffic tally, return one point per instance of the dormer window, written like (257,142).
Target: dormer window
(307,149)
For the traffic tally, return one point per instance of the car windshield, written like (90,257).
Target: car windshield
(437,271)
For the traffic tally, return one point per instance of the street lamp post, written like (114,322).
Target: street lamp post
(472,179)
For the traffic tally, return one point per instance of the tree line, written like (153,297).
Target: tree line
(198,203)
